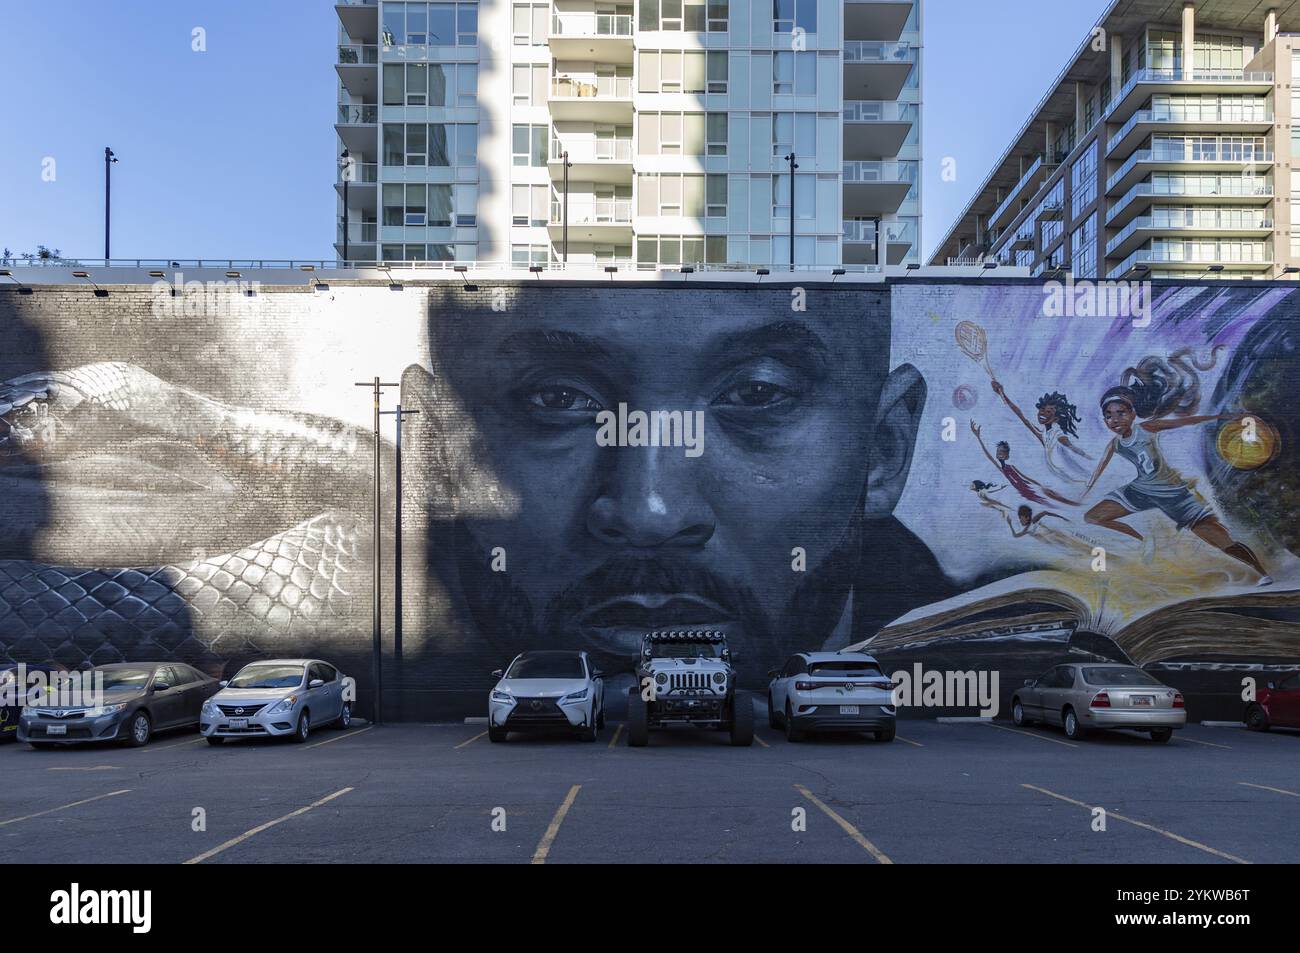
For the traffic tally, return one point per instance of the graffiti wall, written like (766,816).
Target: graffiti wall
(954,474)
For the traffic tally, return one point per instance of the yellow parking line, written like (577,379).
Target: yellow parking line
(1142,824)
(544,845)
(761,741)
(1208,744)
(1033,734)
(98,767)
(181,744)
(909,741)
(63,807)
(261,827)
(618,730)
(472,740)
(848,828)
(1265,787)
(327,741)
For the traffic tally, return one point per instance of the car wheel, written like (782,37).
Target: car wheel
(303,729)
(791,732)
(887,734)
(345,716)
(772,721)
(590,731)
(600,719)
(1161,734)
(1073,729)
(1257,718)
(1018,713)
(214,740)
(638,720)
(742,720)
(138,729)
(496,734)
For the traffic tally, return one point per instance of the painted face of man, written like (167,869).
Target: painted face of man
(806,440)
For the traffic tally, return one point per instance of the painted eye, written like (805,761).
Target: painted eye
(754,394)
(562,398)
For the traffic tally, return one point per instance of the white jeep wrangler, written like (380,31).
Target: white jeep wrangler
(685,678)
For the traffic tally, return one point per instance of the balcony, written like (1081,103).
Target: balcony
(1217,157)
(360,18)
(1226,190)
(592,160)
(591,37)
(875,19)
(1206,120)
(358,69)
(1143,83)
(359,233)
(877,187)
(599,220)
(608,99)
(1025,190)
(356,125)
(876,129)
(860,242)
(1252,258)
(1140,231)
(876,70)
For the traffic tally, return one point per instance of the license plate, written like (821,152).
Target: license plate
(239,723)
(56,729)
(1143,701)
(848,709)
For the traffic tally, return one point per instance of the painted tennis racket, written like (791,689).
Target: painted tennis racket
(974,343)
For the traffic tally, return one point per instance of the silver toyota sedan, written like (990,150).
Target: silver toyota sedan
(1081,696)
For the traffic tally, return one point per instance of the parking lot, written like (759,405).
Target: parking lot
(942,792)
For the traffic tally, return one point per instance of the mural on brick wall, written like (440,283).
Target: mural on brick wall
(949,473)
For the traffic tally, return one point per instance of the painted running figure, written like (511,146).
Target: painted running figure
(1056,418)
(1026,486)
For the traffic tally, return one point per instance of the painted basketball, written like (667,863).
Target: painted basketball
(1248,443)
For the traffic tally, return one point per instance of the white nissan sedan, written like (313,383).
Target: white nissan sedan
(545,691)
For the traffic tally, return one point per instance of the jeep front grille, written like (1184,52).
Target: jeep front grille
(689,681)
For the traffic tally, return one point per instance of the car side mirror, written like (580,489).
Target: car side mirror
(315,683)
(497,673)
(224,682)
(597,674)
(773,673)
(161,686)
(1029,681)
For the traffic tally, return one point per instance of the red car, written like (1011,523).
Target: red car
(1278,705)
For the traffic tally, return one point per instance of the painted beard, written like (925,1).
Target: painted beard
(608,610)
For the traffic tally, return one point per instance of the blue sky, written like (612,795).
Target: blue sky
(231,152)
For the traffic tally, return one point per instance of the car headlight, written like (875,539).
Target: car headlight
(210,708)
(284,704)
(500,696)
(575,697)
(103,710)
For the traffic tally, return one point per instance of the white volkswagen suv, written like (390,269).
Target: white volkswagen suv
(546,690)
(831,691)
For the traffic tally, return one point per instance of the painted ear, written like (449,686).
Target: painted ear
(902,400)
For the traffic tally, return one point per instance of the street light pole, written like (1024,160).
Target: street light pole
(567,165)
(109,159)
(347,175)
(398,414)
(793,165)
(376,657)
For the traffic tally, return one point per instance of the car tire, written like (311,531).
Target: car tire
(344,720)
(496,735)
(792,733)
(742,720)
(591,730)
(600,719)
(772,721)
(1074,729)
(1018,716)
(138,729)
(216,741)
(638,720)
(887,734)
(1257,718)
(1161,735)
(302,730)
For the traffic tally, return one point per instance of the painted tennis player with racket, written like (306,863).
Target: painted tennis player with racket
(1157,396)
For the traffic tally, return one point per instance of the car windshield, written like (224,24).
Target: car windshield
(686,649)
(1119,676)
(268,676)
(848,669)
(123,678)
(546,666)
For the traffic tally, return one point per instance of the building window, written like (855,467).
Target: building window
(529,24)
(717,71)
(677,15)
(529,205)
(670,134)
(1083,179)
(716,133)
(672,71)
(794,73)
(529,83)
(435,143)
(435,205)
(794,132)
(653,250)
(715,196)
(789,15)
(1083,249)
(430,84)
(430,24)
(717,16)
(528,145)
(530,254)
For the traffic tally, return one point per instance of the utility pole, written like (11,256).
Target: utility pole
(793,165)
(376,657)
(398,414)
(567,165)
(109,159)
(347,177)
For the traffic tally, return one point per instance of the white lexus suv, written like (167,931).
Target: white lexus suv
(546,690)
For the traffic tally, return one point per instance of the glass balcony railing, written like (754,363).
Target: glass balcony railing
(1199,151)
(1200,220)
(887,171)
(1218,187)
(605,87)
(364,232)
(1226,76)
(365,173)
(868,232)
(874,110)
(355,114)
(354,54)
(878,51)
(591,24)
(1014,194)
(1192,113)
(586,211)
(1198,253)
(593,150)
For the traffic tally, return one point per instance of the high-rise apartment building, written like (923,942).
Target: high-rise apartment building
(1163,149)
(656,132)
